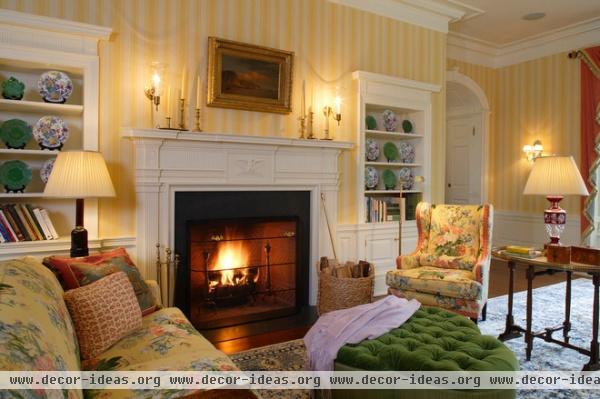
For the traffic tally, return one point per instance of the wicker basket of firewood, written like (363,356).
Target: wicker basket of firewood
(345,285)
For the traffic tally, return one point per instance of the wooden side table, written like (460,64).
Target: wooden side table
(538,266)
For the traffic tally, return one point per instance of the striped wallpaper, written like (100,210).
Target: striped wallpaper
(329,40)
(537,99)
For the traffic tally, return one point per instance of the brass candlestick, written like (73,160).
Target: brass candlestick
(181,124)
(197,127)
(302,120)
(309,128)
(327,112)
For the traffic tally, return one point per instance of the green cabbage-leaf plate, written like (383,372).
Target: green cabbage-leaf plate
(390,151)
(15,175)
(407,126)
(371,122)
(389,179)
(15,133)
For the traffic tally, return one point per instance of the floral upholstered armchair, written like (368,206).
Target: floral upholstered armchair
(450,266)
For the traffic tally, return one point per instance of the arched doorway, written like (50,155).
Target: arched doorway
(467,126)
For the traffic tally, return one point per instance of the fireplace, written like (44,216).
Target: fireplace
(242,270)
(244,255)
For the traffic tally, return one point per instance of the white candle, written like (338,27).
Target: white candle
(183,93)
(168,102)
(198,84)
(338,105)
(303,98)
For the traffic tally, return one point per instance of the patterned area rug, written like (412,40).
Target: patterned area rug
(548,311)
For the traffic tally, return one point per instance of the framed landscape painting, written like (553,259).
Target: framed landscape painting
(249,77)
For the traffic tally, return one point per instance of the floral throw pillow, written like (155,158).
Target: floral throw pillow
(78,272)
(103,312)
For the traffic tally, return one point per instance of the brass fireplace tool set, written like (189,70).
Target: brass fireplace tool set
(171,265)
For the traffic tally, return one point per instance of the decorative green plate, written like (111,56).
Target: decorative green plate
(389,179)
(390,151)
(15,133)
(371,122)
(13,89)
(407,126)
(15,175)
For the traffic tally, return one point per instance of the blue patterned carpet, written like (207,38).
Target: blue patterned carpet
(548,311)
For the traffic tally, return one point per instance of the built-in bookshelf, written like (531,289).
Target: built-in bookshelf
(410,103)
(33,45)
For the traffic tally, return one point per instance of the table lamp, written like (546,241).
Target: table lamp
(555,177)
(79,175)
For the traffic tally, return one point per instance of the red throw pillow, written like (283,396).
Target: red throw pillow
(103,312)
(78,272)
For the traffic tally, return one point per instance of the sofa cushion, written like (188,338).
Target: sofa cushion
(77,272)
(166,341)
(454,232)
(36,332)
(103,312)
(446,282)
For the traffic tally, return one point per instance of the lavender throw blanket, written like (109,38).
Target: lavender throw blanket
(333,330)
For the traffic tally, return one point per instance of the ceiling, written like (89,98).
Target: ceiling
(500,23)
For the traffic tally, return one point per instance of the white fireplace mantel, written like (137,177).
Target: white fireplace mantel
(168,161)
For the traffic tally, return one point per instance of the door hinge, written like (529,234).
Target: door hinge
(473,130)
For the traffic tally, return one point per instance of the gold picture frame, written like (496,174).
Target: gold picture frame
(249,77)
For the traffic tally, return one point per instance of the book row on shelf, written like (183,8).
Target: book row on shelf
(389,209)
(24,222)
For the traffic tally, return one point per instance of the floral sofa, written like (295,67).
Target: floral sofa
(36,333)
(450,266)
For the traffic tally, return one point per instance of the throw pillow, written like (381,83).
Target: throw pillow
(77,272)
(103,312)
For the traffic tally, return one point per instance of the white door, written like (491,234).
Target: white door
(463,160)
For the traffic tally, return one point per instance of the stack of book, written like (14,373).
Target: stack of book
(525,252)
(24,222)
(386,209)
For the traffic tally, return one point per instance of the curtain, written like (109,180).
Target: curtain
(590,133)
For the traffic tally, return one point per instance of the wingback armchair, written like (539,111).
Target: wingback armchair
(450,266)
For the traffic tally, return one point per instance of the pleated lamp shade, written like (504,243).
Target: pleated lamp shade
(555,175)
(79,174)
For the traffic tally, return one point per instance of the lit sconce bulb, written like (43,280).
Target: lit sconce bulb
(156,83)
(533,151)
(338,104)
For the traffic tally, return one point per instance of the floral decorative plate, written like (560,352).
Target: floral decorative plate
(15,133)
(390,151)
(46,169)
(15,175)
(389,120)
(372,150)
(407,152)
(371,178)
(55,86)
(51,132)
(371,122)
(389,179)
(407,126)
(406,178)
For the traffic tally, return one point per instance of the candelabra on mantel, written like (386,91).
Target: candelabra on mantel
(306,119)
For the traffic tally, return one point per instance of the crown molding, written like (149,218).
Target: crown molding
(475,51)
(9,17)
(425,13)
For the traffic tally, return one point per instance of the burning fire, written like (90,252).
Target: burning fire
(232,259)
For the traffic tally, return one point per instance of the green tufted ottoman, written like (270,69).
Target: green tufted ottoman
(431,340)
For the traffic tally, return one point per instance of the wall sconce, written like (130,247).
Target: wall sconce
(533,151)
(154,90)
(335,112)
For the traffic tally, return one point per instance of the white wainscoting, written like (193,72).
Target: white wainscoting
(528,229)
